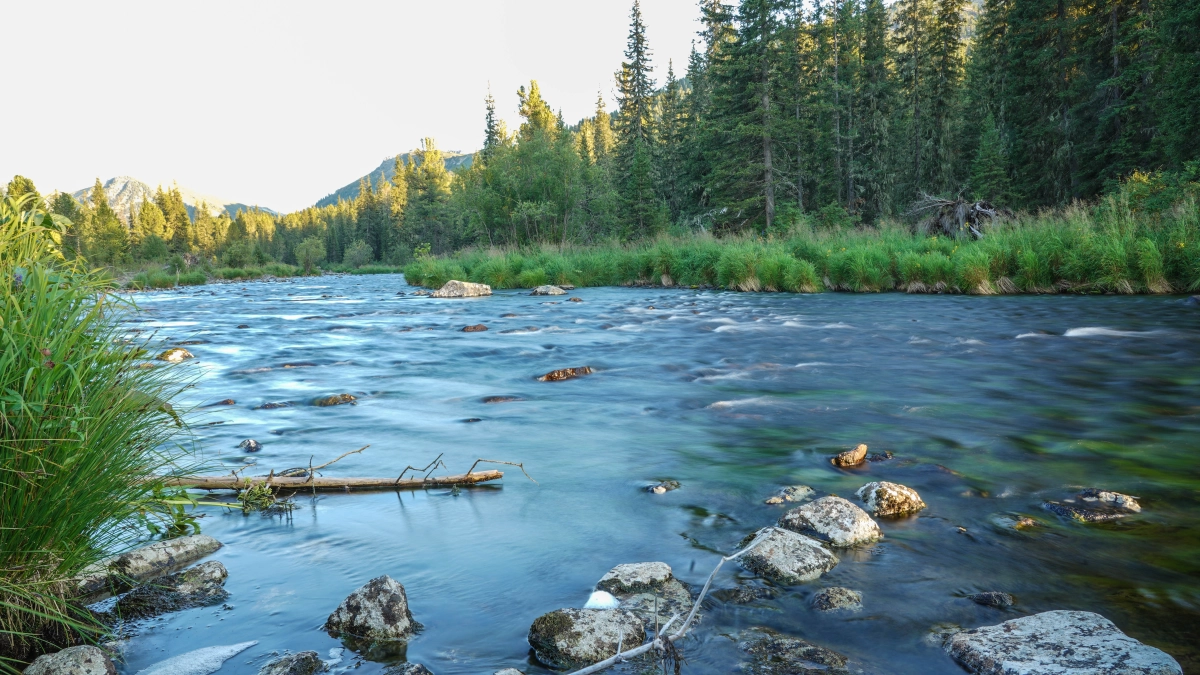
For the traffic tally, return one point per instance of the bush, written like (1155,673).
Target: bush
(358,254)
(152,248)
(238,254)
(310,253)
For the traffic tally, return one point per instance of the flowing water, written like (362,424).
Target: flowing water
(989,406)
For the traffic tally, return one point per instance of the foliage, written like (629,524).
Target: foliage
(309,253)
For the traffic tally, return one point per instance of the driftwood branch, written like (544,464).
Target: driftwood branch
(312,468)
(658,641)
(331,483)
(429,468)
(497,461)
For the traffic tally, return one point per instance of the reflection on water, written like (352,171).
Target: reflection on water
(989,405)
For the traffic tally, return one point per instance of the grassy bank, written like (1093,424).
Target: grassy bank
(1108,248)
(158,277)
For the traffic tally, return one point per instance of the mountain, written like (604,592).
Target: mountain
(386,170)
(124,193)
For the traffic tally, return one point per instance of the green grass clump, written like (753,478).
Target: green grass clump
(84,427)
(193,278)
(374,269)
(238,273)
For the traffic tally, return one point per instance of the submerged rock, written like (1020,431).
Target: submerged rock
(82,660)
(851,457)
(336,399)
(407,669)
(787,558)
(250,445)
(572,638)
(508,671)
(302,663)
(376,611)
(175,355)
(565,374)
(830,599)
(114,574)
(198,662)
(744,595)
(663,487)
(574,299)
(1113,499)
(996,599)
(1057,643)
(890,499)
(791,493)
(834,520)
(636,585)
(772,653)
(501,399)
(477,328)
(461,289)
(548,290)
(196,587)
(273,405)
(1084,514)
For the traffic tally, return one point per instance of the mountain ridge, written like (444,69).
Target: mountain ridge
(387,170)
(126,192)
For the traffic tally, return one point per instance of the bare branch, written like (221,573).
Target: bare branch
(520,466)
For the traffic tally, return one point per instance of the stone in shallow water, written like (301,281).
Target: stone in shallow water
(376,611)
(834,520)
(250,445)
(196,587)
(1057,643)
(571,638)
(637,585)
(83,660)
(461,289)
(786,558)
(664,487)
(336,399)
(565,374)
(772,653)
(791,493)
(302,663)
(477,328)
(1112,499)
(548,290)
(851,457)
(992,599)
(148,562)
(1084,514)
(834,598)
(175,355)
(198,662)
(407,669)
(890,499)
(508,671)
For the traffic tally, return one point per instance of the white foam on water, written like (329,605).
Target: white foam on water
(1022,336)
(812,364)
(737,403)
(1096,331)
(198,662)
(914,340)
(839,324)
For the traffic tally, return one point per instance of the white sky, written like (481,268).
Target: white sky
(280,103)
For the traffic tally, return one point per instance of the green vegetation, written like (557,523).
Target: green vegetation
(85,428)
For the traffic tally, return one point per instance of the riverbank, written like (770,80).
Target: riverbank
(1078,250)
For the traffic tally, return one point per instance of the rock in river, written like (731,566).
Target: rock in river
(637,585)
(890,499)
(336,399)
(407,669)
(774,654)
(250,445)
(83,660)
(1084,514)
(1112,499)
(175,355)
(548,290)
(148,562)
(851,457)
(1057,643)
(302,663)
(833,598)
(508,671)
(791,493)
(834,520)
(477,328)
(196,587)
(565,374)
(996,599)
(571,638)
(377,611)
(664,487)
(787,558)
(461,289)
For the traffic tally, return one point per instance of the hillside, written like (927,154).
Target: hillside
(386,170)
(125,193)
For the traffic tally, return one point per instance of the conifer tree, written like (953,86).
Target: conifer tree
(491,133)
(989,171)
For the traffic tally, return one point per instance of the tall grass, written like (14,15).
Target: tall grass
(82,428)
(1106,248)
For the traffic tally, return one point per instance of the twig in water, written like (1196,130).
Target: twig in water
(498,461)
(434,464)
(344,454)
(658,641)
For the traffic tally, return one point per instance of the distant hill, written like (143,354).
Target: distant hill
(125,192)
(386,170)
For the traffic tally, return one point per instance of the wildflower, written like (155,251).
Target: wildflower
(49,364)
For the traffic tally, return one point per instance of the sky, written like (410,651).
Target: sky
(280,103)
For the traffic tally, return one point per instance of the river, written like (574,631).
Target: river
(989,405)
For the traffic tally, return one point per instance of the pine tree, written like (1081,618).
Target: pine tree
(20,186)
(635,86)
(877,105)
(537,113)
(670,139)
(914,43)
(947,59)
(989,171)
(603,140)
(491,133)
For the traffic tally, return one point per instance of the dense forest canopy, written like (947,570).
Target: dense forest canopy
(834,113)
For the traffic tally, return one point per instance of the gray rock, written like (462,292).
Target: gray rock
(115,574)
(509,671)
(408,669)
(336,399)
(376,611)
(890,499)
(663,487)
(84,660)
(198,662)
(744,595)
(175,355)
(548,290)
(1112,499)
(571,638)
(301,663)
(774,654)
(791,493)
(637,585)
(461,289)
(1084,514)
(196,587)
(834,520)
(787,558)
(940,634)
(1057,643)
(851,457)
(250,445)
(834,598)
(992,599)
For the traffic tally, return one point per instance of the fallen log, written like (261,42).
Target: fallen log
(330,483)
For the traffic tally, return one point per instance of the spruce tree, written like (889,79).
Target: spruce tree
(989,171)
(491,132)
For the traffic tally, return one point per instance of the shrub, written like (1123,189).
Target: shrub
(358,254)
(238,254)
(310,253)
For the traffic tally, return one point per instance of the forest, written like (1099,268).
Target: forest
(789,117)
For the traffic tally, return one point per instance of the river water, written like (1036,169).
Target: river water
(989,406)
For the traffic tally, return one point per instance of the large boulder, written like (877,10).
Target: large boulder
(1057,643)
(118,573)
(461,289)
(376,611)
(83,660)
(548,290)
(571,638)
(301,663)
(637,585)
(834,520)
(786,557)
(772,653)
(196,587)
(890,499)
